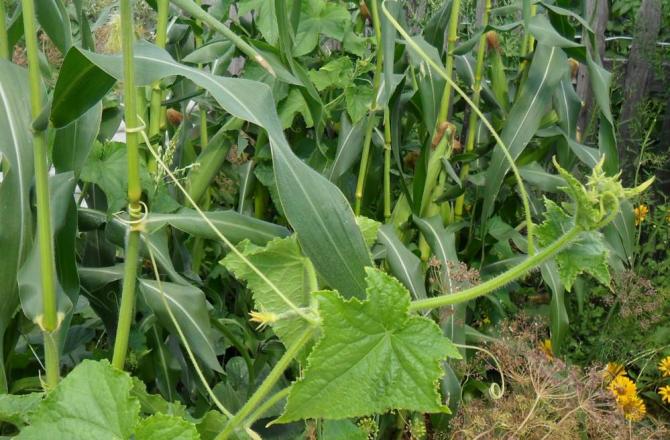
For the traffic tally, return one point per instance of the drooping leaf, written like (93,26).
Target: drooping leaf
(404,264)
(233,225)
(282,262)
(93,401)
(546,70)
(587,254)
(189,307)
(393,363)
(316,209)
(15,214)
(162,426)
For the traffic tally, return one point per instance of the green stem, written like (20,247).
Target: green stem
(134,188)
(49,322)
(449,65)
(269,383)
(4,41)
(472,119)
(376,81)
(387,164)
(199,14)
(499,281)
(440,70)
(156,90)
(279,395)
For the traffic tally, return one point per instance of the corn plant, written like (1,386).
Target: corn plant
(256,211)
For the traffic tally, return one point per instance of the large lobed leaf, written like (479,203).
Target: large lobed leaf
(587,253)
(373,356)
(282,262)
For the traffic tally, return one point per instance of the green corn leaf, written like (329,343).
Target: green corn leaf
(233,225)
(546,71)
(315,208)
(15,214)
(93,401)
(54,19)
(558,314)
(189,307)
(73,142)
(587,254)
(283,263)
(403,263)
(162,426)
(373,356)
(349,146)
(568,105)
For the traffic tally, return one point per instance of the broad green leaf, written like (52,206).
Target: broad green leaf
(587,254)
(358,99)
(54,19)
(319,17)
(349,146)
(93,401)
(621,233)
(373,356)
(369,228)
(189,307)
(208,52)
(107,167)
(600,80)
(265,18)
(294,105)
(15,214)
(403,263)
(73,142)
(212,423)
(162,427)
(430,82)
(233,225)
(546,71)
(314,207)
(283,263)
(16,409)
(336,73)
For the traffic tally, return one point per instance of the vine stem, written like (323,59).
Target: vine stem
(484,119)
(4,41)
(200,14)
(499,281)
(262,409)
(472,118)
(376,81)
(127,307)
(49,322)
(269,382)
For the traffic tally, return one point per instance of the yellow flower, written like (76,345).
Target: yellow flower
(664,392)
(622,387)
(612,371)
(633,408)
(640,213)
(263,319)
(664,366)
(547,348)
